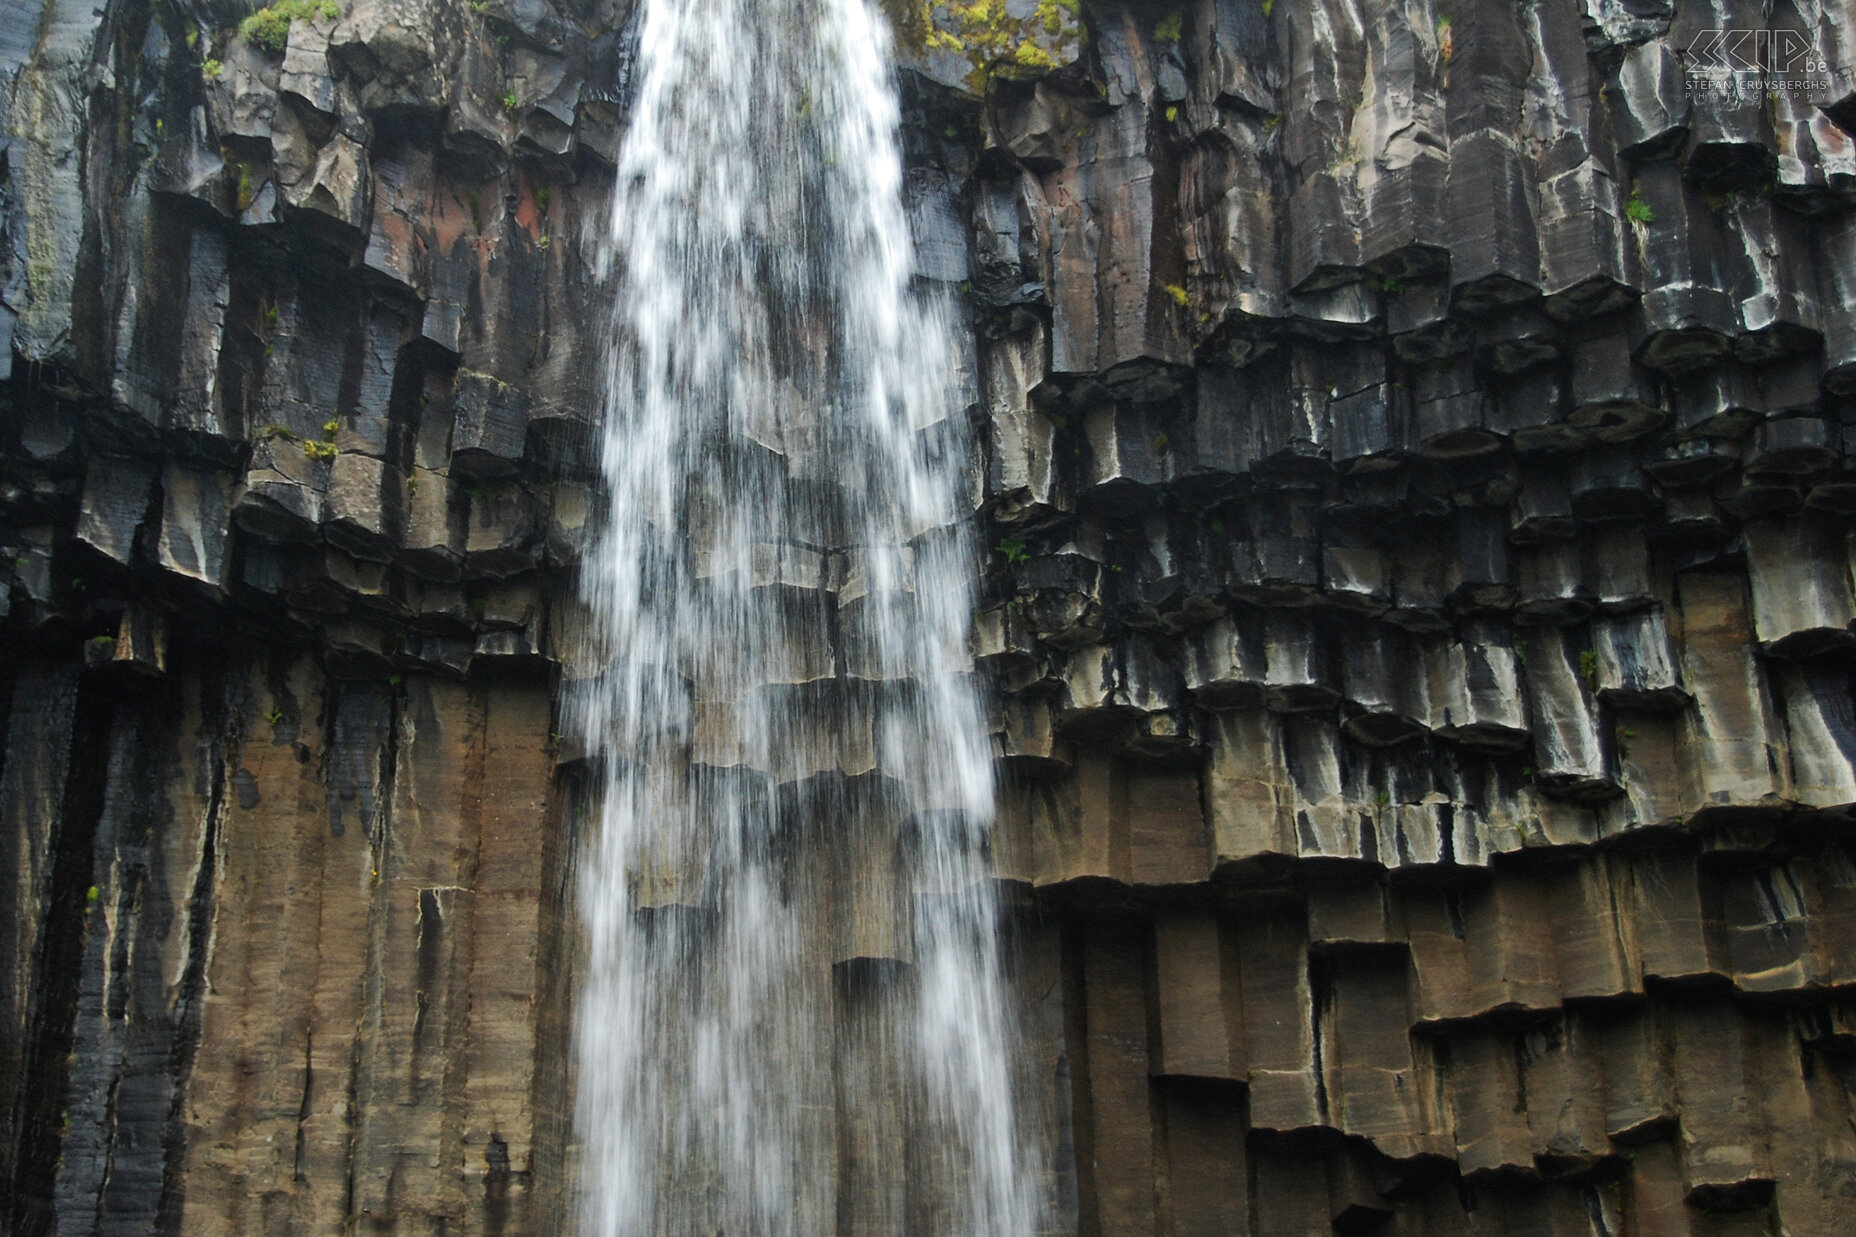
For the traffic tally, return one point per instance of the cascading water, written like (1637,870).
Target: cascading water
(792,1019)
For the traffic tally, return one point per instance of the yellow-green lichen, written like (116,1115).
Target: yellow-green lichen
(988,37)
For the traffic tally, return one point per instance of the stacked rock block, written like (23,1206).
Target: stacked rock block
(286,949)
(293,426)
(1420,606)
(324,350)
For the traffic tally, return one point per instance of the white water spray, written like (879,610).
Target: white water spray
(793,1018)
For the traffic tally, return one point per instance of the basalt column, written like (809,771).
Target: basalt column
(547,546)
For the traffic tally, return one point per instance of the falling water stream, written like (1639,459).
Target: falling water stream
(792,1019)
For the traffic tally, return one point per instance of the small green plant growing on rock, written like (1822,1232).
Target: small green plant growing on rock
(1031,56)
(1169,28)
(1382,800)
(326,449)
(275,717)
(1014,551)
(510,103)
(1391,285)
(1637,210)
(245,191)
(210,69)
(1588,666)
(269,27)
(1179,294)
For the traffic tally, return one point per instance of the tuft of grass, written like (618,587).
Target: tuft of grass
(1637,210)
(1169,28)
(269,27)
(1014,551)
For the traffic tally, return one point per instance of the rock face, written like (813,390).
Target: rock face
(1420,622)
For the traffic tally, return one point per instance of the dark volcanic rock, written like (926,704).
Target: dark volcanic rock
(1416,443)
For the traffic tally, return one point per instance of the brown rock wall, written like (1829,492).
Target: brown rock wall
(311,985)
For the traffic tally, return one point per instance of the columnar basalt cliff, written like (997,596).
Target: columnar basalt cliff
(1417,608)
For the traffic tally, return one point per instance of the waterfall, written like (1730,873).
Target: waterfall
(793,1018)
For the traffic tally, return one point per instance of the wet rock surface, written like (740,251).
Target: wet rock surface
(1417,605)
